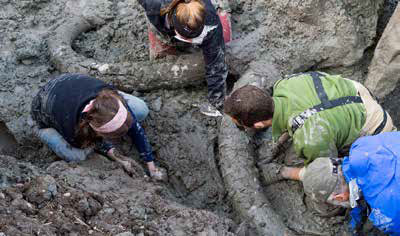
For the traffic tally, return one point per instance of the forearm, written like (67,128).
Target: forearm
(292,173)
(138,136)
(61,147)
(115,155)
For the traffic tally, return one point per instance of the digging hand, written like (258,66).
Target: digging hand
(271,172)
(282,145)
(158,174)
(130,166)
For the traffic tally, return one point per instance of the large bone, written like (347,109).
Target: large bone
(237,161)
(241,180)
(176,72)
(64,58)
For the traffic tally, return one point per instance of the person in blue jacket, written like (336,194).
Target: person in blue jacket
(368,181)
(194,22)
(76,114)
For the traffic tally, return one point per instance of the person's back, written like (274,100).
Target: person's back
(368,181)
(75,113)
(326,131)
(323,113)
(374,164)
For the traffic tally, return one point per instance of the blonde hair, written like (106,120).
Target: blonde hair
(188,12)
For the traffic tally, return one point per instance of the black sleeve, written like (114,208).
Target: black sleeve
(103,147)
(216,68)
(139,138)
(151,7)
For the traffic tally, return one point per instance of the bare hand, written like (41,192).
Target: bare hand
(158,174)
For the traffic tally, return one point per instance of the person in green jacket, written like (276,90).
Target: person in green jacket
(322,113)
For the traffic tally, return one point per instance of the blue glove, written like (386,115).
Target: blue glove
(61,147)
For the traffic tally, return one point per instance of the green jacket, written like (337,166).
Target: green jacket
(325,132)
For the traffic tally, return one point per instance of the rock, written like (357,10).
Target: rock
(298,35)
(156,104)
(13,171)
(29,46)
(384,71)
(8,144)
(89,206)
(24,206)
(385,15)
(42,189)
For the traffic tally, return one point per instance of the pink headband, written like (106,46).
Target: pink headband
(115,123)
(88,107)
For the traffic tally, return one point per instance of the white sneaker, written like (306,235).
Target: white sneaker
(209,110)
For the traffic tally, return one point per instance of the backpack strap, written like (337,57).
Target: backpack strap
(299,120)
(320,89)
(382,125)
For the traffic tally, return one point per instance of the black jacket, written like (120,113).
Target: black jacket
(213,46)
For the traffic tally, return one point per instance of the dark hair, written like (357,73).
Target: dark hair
(104,109)
(249,105)
(188,13)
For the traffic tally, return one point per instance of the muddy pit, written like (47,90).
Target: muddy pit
(214,185)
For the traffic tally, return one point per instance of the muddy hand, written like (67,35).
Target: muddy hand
(282,145)
(158,174)
(130,166)
(126,165)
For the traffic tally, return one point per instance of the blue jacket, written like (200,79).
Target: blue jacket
(373,163)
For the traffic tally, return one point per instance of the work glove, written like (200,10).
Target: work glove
(281,145)
(61,147)
(271,172)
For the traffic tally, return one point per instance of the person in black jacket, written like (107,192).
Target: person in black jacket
(76,113)
(196,22)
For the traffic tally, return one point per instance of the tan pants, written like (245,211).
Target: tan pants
(384,71)
(375,113)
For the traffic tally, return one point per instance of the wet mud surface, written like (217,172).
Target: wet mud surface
(214,185)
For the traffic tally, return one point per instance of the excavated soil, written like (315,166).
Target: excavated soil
(209,189)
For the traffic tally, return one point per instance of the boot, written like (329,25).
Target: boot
(209,110)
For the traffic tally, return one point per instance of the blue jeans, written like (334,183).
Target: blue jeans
(63,149)
(137,105)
